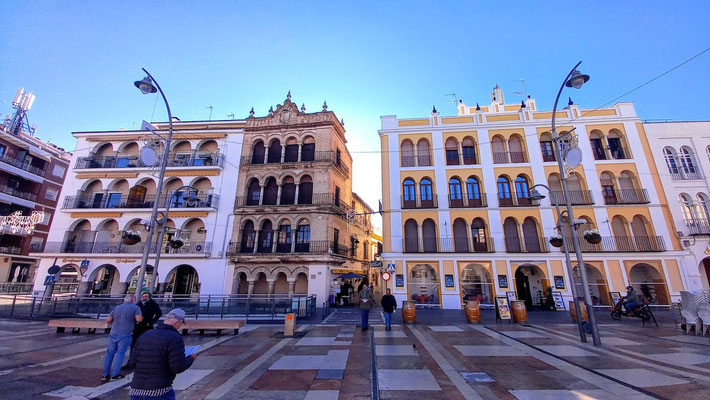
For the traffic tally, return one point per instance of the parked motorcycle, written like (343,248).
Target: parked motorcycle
(643,311)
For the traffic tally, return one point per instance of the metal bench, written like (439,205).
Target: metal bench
(76,324)
(213,325)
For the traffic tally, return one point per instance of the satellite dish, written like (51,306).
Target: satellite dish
(573,157)
(148,156)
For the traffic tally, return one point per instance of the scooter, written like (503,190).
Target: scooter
(643,311)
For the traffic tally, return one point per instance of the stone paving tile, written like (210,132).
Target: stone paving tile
(395,350)
(330,374)
(681,359)
(390,334)
(285,380)
(316,341)
(400,362)
(322,395)
(445,328)
(188,378)
(496,351)
(266,395)
(567,351)
(562,394)
(407,379)
(642,377)
(307,350)
(522,334)
(336,359)
(342,343)
(298,362)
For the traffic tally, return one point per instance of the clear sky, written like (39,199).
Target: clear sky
(366,59)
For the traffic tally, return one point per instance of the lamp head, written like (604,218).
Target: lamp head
(146,85)
(535,195)
(577,79)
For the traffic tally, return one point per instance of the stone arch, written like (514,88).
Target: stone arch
(530,282)
(181,146)
(648,281)
(261,284)
(301,284)
(129,148)
(476,284)
(182,280)
(105,280)
(597,284)
(208,145)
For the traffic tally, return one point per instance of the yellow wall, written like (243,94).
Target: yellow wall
(386,220)
(676,282)
(448,269)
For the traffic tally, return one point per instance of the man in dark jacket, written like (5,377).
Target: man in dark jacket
(389,303)
(151,312)
(158,357)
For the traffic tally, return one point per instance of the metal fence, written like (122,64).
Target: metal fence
(250,307)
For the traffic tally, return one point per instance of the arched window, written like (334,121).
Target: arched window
(504,196)
(515,146)
(257,154)
(704,208)
(556,195)
(642,238)
(455,195)
(511,235)
(688,162)
(429,236)
(426,192)
(608,182)
(686,206)
(409,199)
(616,145)
(548,152)
(622,238)
(648,282)
(498,149)
(407,153)
(628,189)
(288,191)
(468,147)
(531,239)
(291,154)
(522,190)
(473,192)
(460,236)
(596,139)
(303,236)
(423,157)
(308,149)
(452,152)
(248,237)
(671,162)
(305,190)
(271,190)
(266,237)
(283,244)
(275,151)
(411,236)
(253,193)
(479,236)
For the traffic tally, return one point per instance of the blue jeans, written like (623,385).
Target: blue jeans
(117,346)
(630,305)
(365,317)
(388,319)
(167,396)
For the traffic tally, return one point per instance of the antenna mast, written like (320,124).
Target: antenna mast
(18,122)
(210,107)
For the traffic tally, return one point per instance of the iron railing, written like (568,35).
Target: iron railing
(23,165)
(318,156)
(15,287)
(124,201)
(131,161)
(466,202)
(409,202)
(685,175)
(512,199)
(509,157)
(448,245)
(251,247)
(626,196)
(317,199)
(576,197)
(10,250)
(699,226)
(526,245)
(18,193)
(612,244)
(188,247)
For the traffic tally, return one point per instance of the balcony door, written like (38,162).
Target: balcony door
(136,197)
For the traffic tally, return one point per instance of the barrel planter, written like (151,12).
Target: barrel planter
(409,312)
(582,309)
(520,313)
(473,312)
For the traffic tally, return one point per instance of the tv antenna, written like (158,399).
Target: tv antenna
(231,115)
(453,98)
(523,92)
(210,107)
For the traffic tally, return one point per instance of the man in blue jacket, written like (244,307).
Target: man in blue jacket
(158,357)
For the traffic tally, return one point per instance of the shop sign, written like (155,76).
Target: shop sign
(559,282)
(503,281)
(511,297)
(375,264)
(399,280)
(559,303)
(503,307)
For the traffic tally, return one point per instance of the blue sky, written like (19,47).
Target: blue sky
(366,59)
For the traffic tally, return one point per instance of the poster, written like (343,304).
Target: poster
(559,282)
(511,297)
(559,302)
(399,280)
(503,307)
(503,281)
(449,280)
(615,297)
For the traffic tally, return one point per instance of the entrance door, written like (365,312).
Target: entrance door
(706,263)
(522,287)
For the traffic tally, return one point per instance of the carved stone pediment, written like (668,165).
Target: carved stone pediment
(288,114)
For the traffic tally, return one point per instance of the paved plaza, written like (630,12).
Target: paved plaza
(448,360)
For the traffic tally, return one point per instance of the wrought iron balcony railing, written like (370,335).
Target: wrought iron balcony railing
(526,245)
(121,201)
(189,247)
(612,244)
(512,199)
(131,161)
(448,245)
(626,196)
(251,248)
(467,202)
(18,193)
(23,165)
(698,226)
(510,157)
(412,202)
(685,175)
(577,197)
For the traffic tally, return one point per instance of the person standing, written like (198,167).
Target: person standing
(151,312)
(389,304)
(158,357)
(367,300)
(122,320)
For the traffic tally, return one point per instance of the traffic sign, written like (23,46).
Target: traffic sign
(386,276)
(53,269)
(49,280)
(84,267)
(390,268)
(375,264)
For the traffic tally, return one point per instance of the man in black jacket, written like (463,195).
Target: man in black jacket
(151,312)
(158,357)
(389,303)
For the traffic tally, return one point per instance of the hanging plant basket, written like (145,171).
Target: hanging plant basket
(176,243)
(592,236)
(131,237)
(556,241)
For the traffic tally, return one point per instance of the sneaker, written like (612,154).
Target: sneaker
(105,379)
(119,376)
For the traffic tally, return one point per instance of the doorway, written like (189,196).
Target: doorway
(529,284)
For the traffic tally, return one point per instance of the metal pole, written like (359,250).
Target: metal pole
(570,216)
(161,176)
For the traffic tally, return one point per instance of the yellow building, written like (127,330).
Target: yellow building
(458,224)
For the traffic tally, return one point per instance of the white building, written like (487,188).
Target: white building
(109,191)
(681,151)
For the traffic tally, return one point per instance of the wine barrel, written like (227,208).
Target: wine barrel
(520,313)
(582,309)
(473,312)
(409,313)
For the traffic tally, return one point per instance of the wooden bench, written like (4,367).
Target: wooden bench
(212,324)
(76,324)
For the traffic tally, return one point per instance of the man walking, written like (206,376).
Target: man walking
(150,310)
(389,303)
(158,357)
(122,319)
(367,300)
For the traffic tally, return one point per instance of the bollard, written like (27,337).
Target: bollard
(289,324)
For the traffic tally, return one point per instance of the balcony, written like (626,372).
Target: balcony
(576,197)
(120,201)
(317,199)
(616,153)
(128,161)
(526,245)
(466,202)
(510,157)
(447,245)
(409,202)
(189,247)
(282,249)
(18,193)
(612,244)
(416,161)
(548,157)
(10,250)
(513,200)
(328,156)
(23,165)
(698,226)
(681,175)
(626,196)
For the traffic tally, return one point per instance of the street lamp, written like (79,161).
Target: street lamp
(150,85)
(535,195)
(574,79)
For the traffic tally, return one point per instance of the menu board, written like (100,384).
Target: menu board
(503,307)
(559,302)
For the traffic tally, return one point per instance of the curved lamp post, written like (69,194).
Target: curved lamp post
(535,195)
(574,79)
(150,85)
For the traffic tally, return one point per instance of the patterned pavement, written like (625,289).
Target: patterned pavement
(339,361)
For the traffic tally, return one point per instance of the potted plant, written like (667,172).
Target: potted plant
(176,243)
(131,237)
(592,236)
(556,240)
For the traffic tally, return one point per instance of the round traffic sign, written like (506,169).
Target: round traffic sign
(53,269)
(386,276)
